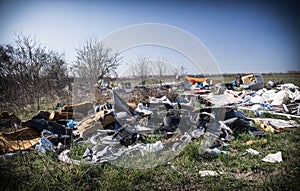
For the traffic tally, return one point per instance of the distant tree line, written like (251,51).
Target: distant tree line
(31,74)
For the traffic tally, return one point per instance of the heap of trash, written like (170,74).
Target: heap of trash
(157,119)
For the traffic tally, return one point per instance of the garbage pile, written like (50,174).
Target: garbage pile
(158,119)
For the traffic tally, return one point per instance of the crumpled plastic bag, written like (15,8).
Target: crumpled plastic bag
(273,158)
(252,151)
(44,145)
(204,173)
(281,97)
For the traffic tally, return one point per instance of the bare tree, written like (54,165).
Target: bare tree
(132,69)
(44,70)
(142,68)
(95,60)
(160,68)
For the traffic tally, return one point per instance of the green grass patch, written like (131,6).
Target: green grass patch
(238,171)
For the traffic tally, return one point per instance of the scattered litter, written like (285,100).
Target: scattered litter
(63,156)
(204,173)
(275,125)
(255,131)
(143,110)
(9,122)
(44,145)
(154,147)
(250,142)
(216,151)
(281,97)
(285,108)
(46,133)
(197,133)
(252,151)
(273,158)
(120,129)
(71,123)
(19,140)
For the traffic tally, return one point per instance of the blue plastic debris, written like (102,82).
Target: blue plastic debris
(71,124)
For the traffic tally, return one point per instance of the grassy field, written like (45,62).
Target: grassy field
(237,171)
(228,78)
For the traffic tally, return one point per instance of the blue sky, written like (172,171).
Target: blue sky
(243,36)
